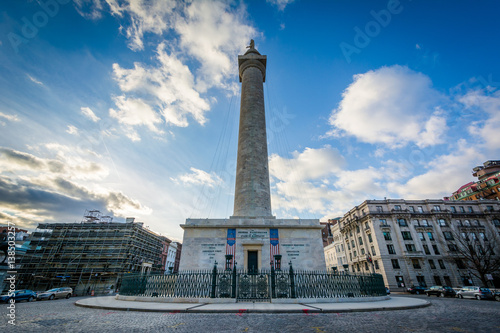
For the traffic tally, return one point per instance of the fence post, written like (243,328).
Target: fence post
(292,281)
(273,283)
(214,280)
(233,287)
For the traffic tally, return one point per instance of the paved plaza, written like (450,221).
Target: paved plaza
(443,315)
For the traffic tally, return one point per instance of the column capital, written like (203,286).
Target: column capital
(252,59)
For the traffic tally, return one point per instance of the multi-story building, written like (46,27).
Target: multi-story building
(92,255)
(413,242)
(178,254)
(171,253)
(486,187)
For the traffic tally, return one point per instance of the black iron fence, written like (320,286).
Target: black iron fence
(244,285)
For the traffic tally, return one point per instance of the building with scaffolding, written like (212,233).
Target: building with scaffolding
(90,256)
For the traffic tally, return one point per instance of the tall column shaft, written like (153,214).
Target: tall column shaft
(252,191)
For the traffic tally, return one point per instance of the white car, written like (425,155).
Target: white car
(64,292)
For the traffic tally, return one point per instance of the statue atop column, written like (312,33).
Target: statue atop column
(252,45)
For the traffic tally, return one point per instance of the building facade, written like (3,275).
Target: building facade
(88,256)
(486,187)
(413,242)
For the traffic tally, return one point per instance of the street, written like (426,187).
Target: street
(444,315)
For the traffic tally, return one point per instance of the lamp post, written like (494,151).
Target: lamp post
(334,269)
(277,259)
(229,257)
(346,268)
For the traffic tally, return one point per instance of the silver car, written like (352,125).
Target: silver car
(475,292)
(64,292)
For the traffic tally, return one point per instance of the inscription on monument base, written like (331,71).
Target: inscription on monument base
(294,251)
(252,234)
(209,250)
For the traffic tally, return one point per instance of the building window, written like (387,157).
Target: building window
(373,251)
(437,280)
(489,208)
(357,229)
(362,251)
(412,209)
(348,246)
(391,249)
(431,264)
(435,249)
(426,249)
(430,235)
(441,264)
(367,226)
(379,209)
(421,281)
(360,240)
(387,235)
(395,263)
(421,236)
(410,248)
(366,266)
(470,209)
(370,238)
(355,254)
(483,236)
(467,223)
(350,255)
(453,209)
(402,222)
(383,221)
(376,264)
(496,222)
(357,265)
(425,223)
(473,236)
(452,247)
(397,207)
(406,235)
(447,280)
(448,235)
(462,210)
(352,244)
(442,222)
(437,208)
(416,263)
(420,209)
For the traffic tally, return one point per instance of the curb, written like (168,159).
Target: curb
(198,308)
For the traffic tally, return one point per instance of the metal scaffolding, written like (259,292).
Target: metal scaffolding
(88,256)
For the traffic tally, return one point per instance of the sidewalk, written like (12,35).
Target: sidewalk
(394,303)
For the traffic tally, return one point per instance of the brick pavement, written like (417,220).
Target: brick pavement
(444,315)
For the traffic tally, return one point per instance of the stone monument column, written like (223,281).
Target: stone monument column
(252,197)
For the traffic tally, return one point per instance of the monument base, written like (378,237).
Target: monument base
(252,243)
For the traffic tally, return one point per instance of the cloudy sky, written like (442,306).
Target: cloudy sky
(131,107)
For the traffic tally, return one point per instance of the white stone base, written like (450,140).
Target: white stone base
(205,242)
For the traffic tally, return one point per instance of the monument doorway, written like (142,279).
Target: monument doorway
(253,265)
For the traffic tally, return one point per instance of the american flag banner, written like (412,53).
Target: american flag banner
(274,245)
(231,245)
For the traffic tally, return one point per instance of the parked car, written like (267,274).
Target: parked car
(440,291)
(475,292)
(416,290)
(19,295)
(64,292)
(497,296)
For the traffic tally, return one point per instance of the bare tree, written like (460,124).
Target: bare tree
(477,247)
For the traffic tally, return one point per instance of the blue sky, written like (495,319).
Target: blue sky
(132,107)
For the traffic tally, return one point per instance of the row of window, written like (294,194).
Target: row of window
(416,264)
(412,248)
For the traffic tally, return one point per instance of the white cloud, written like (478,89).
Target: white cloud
(135,112)
(72,130)
(281,4)
(310,164)
(213,33)
(168,88)
(87,112)
(32,79)
(391,105)
(444,175)
(198,177)
(9,117)
(487,129)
